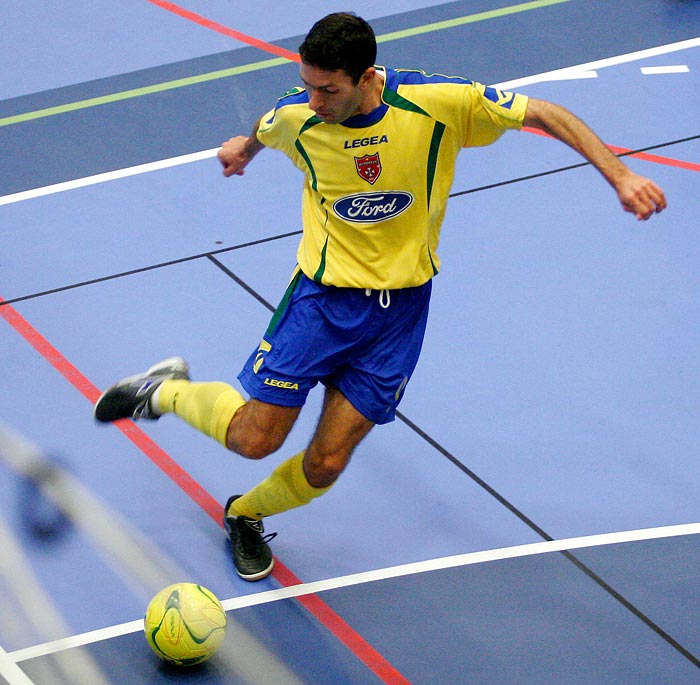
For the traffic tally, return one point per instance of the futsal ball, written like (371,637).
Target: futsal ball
(185,624)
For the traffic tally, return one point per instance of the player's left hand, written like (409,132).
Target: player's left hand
(641,196)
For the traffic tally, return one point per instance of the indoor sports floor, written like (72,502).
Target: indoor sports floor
(533,515)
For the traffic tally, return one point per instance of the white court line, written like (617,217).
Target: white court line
(670,69)
(579,71)
(571,75)
(141,566)
(11,672)
(107,176)
(601,63)
(373,576)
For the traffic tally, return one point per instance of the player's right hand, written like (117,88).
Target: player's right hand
(233,156)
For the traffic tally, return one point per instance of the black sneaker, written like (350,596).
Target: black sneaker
(129,398)
(249,549)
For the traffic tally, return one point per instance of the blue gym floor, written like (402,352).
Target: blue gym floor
(532,517)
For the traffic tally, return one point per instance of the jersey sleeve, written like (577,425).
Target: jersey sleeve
(490,112)
(477,114)
(280,127)
(272,131)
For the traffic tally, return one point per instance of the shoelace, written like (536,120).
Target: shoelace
(251,539)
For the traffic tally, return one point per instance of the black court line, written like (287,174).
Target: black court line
(410,424)
(151,267)
(605,586)
(537,529)
(504,502)
(250,290)
(579,165)
(280,236)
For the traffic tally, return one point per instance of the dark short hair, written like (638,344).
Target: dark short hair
(340,41)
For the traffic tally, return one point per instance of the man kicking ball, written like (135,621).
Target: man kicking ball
(377,147)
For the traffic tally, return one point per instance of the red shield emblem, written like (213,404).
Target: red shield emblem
(369,167)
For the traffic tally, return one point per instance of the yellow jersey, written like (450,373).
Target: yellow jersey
(376,186)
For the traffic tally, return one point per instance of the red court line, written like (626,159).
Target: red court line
(668,161)
(314,605)
(344,632)
(276,50)
(86,388)
(225,30)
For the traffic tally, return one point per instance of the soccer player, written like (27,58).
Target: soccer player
(377,147)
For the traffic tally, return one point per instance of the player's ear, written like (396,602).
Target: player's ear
(367,76)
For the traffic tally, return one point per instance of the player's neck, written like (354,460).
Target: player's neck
(374,94)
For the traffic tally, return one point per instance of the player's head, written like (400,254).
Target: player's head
(340,41)
(337,67)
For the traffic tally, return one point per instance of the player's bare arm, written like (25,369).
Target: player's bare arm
(236,153)
(637,194)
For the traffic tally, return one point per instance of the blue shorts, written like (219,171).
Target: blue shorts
(365,343)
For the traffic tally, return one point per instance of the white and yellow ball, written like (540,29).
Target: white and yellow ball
(185,624)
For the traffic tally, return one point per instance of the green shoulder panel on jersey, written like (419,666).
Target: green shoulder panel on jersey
(391,97)
(293,91)
(309,123)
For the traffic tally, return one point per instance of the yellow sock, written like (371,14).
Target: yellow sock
(208,407)
(285,488)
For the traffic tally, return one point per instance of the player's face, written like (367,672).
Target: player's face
(332,94)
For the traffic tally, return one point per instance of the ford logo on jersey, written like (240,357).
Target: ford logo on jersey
(369,208)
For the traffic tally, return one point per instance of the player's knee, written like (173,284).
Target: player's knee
(322,470)
(253,446)
(258,429)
